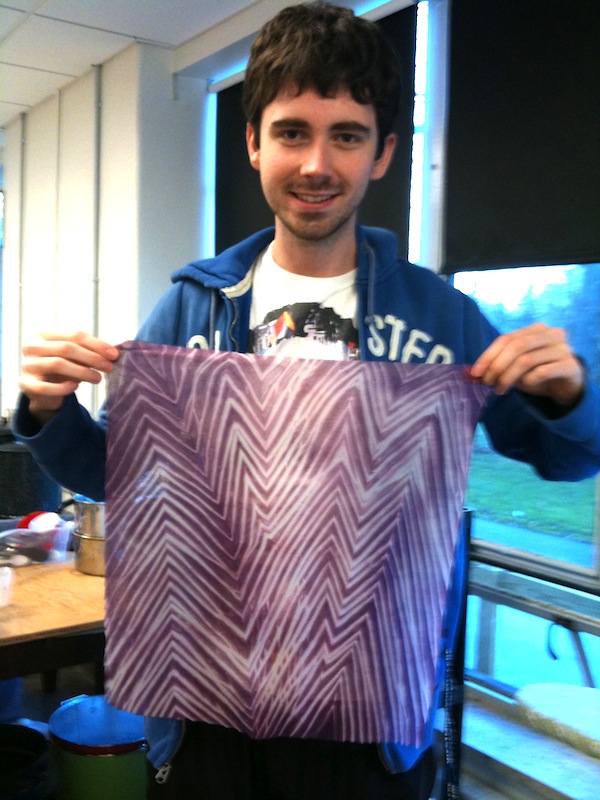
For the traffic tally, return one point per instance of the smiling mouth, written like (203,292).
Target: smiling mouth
(314,199)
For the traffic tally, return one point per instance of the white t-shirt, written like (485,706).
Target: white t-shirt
(301,316)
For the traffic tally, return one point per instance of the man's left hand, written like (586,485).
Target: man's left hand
(537,360)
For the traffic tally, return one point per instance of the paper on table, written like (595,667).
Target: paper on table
(280,539)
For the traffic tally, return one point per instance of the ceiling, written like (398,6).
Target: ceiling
(46,44)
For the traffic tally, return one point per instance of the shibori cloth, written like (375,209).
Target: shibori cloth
(280,539)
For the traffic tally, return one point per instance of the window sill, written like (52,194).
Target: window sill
(502,757)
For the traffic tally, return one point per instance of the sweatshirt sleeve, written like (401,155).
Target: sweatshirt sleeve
(70,448)
(559,448)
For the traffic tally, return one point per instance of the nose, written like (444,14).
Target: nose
(317,159)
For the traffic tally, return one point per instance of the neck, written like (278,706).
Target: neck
(325,258)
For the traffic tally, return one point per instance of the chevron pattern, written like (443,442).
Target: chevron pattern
(280,539)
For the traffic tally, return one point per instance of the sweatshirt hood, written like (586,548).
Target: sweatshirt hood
(231,267)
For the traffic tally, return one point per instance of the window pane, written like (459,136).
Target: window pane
(515,508)
(512,506)
(518,648)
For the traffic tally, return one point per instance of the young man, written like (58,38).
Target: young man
(320,95)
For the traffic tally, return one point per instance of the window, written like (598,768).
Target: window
(509,647)
(545,533)
(513,507)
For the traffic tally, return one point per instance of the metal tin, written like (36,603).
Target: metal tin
(89,553)
(89,516)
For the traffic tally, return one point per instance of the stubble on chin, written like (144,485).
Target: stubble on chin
(313,226)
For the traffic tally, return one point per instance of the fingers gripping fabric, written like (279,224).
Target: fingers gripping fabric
(280,539)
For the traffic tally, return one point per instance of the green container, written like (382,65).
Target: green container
(99,751)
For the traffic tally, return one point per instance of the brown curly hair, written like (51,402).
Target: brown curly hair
(328,49)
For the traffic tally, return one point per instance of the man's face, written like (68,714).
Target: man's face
(316,159)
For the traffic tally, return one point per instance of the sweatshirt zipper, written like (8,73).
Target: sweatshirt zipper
(365,308)
(368,250)
(164,771)
(236,346)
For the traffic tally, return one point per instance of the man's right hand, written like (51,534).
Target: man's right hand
(55,364)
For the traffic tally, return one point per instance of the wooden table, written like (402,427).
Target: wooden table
(55,619)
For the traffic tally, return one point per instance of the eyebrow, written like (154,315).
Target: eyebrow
(342,126)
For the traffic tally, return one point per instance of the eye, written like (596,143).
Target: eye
(350,139)
(291,135)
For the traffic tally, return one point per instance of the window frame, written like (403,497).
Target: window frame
(562,573)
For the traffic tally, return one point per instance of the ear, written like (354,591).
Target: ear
(253,148)
(381,164)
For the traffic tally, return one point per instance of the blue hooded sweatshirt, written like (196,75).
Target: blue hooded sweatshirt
(405,313)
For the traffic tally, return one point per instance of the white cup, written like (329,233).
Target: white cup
(5,586)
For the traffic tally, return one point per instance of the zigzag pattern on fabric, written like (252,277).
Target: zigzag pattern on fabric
(280,539)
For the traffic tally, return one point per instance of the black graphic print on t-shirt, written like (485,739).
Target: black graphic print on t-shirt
(312,322)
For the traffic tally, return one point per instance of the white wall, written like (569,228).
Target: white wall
(76,208)
(11,292)
(103,202)
(40,176)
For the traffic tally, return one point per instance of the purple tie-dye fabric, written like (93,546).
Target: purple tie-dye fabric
(280,539)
